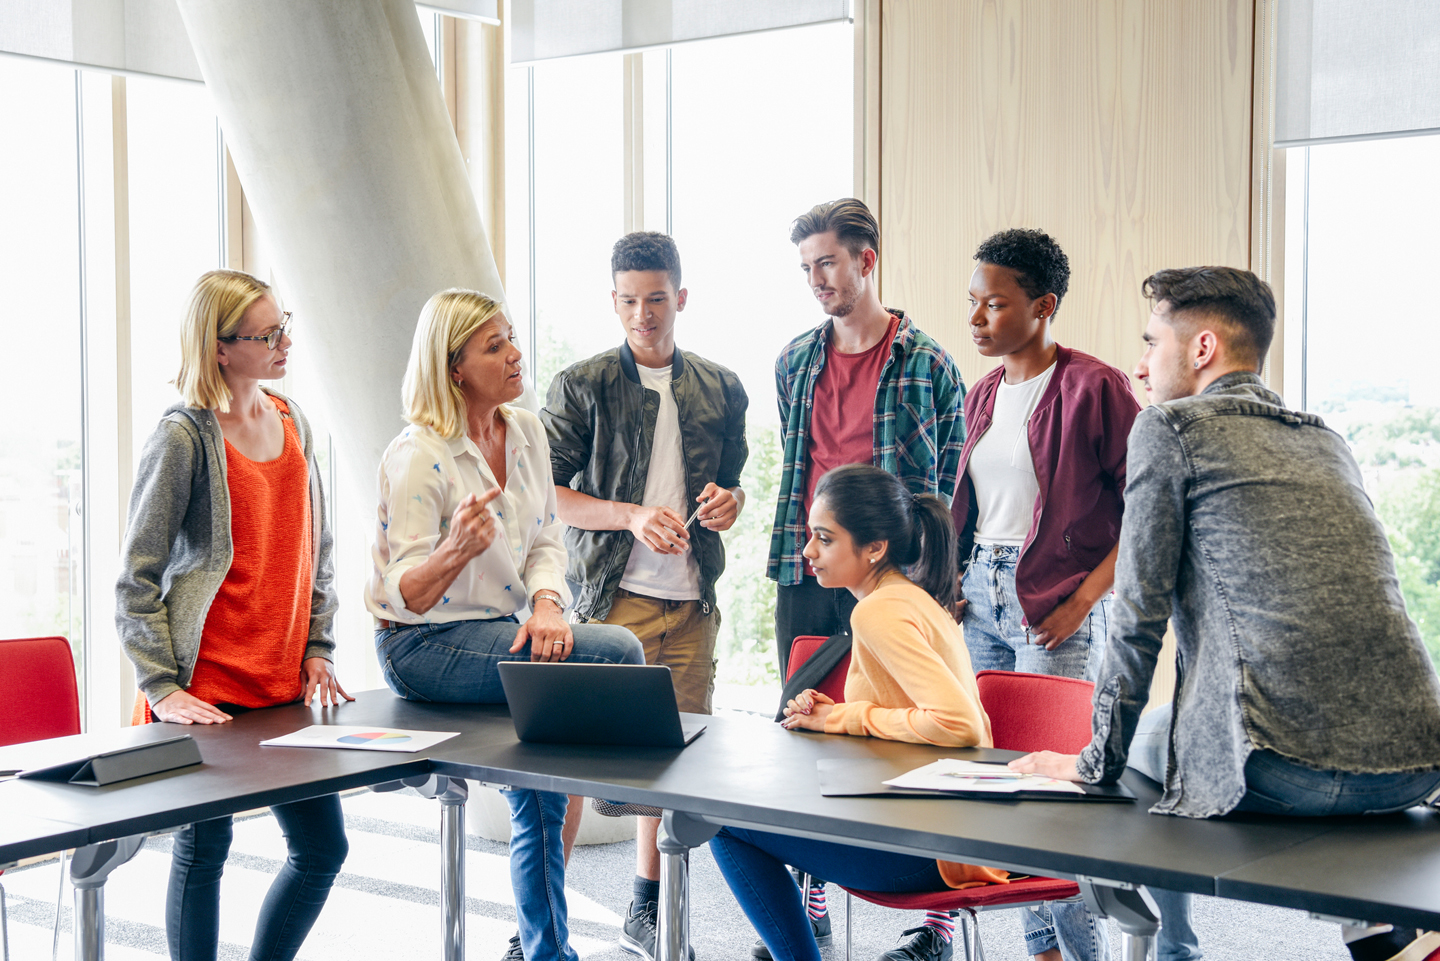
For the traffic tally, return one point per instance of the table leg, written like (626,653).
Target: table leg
(679,832)
(1132,908)
(452,874)
(89,869)
(452,793)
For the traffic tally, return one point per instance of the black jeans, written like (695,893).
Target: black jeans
(807,609)
(315,834)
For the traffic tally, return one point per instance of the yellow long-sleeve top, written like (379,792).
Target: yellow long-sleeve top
(910,680)
(910,677)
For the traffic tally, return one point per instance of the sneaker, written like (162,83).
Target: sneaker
(514,952)
(927,945)
(637,934)
(1401,944)
(820,927)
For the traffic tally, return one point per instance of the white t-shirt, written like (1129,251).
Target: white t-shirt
(670,577)
(1001,469)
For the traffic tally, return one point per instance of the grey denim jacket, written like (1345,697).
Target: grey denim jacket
(1247,524)
(177,549)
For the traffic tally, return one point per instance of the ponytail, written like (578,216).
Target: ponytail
(874,505)
(934,567)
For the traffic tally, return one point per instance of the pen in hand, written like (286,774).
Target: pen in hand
(697,513)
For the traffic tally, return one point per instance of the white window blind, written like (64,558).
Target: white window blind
(1356,70)
(136,36)
(549,29)
(133,36)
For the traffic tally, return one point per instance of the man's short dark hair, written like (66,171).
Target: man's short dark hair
(852,221)
(1237,298)
(1040,266)
(646,250)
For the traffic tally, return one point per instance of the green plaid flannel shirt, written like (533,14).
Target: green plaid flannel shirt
(919,427)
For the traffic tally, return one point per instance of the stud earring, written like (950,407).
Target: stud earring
(1197,365)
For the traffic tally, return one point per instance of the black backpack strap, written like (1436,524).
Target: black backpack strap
(825,659)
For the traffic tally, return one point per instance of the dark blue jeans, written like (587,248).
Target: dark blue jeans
(753,864)
(1273,785)
(314,833)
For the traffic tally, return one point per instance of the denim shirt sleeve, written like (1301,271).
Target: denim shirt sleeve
(1151,544)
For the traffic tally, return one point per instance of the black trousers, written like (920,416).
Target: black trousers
(807,609)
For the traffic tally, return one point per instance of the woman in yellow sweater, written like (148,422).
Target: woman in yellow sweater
(909,680)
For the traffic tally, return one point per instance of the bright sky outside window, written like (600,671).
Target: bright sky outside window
(40,532)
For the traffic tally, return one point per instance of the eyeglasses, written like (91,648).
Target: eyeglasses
(272,339)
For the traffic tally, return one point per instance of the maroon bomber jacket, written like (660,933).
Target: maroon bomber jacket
(1078,437)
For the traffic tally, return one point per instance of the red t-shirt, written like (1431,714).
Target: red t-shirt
(842,418)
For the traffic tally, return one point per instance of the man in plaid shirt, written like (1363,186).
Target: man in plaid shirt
(867,386)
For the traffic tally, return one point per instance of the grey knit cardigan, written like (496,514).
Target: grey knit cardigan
(177,549)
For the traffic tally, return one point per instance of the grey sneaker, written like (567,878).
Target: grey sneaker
(514,952)
(637,934)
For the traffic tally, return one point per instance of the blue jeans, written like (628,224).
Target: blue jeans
(455,662)
(1273,786)
(753,864)
(998,641)
(537,874)
(315,835)
(994,628)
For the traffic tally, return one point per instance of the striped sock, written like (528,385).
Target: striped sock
(815,901)
(942,922)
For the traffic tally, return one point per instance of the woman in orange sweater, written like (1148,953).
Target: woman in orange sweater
(226,601)
(909,680)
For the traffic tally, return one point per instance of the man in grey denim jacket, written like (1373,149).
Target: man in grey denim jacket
(1302,686)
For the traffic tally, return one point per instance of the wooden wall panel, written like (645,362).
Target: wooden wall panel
(1121,127)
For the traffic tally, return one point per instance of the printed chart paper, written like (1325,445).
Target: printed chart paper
(351,738)
(949,774)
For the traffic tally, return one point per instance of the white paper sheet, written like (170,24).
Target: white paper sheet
(949,774)
(352,738)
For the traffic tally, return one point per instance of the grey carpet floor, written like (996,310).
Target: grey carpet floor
(386,903)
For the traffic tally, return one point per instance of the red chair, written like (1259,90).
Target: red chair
(38,695)
(38,699)
(1028,712)
(833,686)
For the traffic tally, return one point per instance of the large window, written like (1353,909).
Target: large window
(174,232)
(1361,337)
(738,136)
(578,210)
(41,549)
(110,212)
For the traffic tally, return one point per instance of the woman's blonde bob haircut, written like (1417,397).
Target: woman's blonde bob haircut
(217,305)
(431,397)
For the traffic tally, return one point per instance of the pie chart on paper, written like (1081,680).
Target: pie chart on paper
(377,738)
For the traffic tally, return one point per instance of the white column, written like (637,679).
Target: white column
(340,134)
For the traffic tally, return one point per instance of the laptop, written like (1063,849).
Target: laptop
(627,705)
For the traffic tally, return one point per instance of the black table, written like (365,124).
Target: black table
(750,773)
(107,825)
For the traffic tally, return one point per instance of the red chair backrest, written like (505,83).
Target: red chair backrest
(1036,712)
(38,695)
(833,686)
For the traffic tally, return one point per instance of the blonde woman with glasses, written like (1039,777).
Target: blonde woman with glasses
(468,539)
(225,600)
